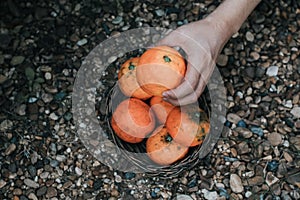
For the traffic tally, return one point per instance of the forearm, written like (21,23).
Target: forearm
(231,14)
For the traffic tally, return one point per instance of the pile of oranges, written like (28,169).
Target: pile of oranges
(169,130)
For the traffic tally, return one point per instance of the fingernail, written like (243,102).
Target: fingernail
(165,94)
(165,99)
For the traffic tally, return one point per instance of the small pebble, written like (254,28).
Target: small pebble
(32,99)
(41,191)
(159,12)
(51,192)
(6,125)
(82,42)
(272,71)
(271,179)
(210,195)
(53,116)
(32,196)
(257,130)
(31,183)
(117,20)
(129,175)
(233,118)
(275,139)
(118,178)
(78,171)
(296,112)
(21,110)
(236,183)
(241,123)
(10,149)
(288,104)
(2,183)
(16,60)
(222,60)
(48,76)
(249,36)
(183,197)
(248,194)
(272,166)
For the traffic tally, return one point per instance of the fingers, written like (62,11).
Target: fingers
(187,86)
(191,97)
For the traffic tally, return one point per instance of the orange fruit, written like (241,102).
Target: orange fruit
(162,149)
(127,80)
(159,69)
(161,108)
(188,125)
(132,120)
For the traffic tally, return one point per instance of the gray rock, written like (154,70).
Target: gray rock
(47,98)
(2,183)
(243,148)
(249,36)
(183,197)
(222,60)
(21,110)
(10,149)
(16,60)
(271,179)
(159,12)
(51,192)
(31,183)
(275,139)
(244,132)
(2,78)
(210,195)
(296,112)
(41,191)
(6,125)
(32,196)
(61,158)
(233,118)
(236,183)
(117,20)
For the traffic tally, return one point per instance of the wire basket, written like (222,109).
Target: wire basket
(144,163)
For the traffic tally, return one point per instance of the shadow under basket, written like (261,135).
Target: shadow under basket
(135,154)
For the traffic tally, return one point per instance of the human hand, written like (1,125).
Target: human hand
(202,41)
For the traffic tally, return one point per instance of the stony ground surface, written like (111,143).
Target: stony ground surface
(42,45)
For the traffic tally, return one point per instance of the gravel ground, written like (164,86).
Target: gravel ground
(42,46)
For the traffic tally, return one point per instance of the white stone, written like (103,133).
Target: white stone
(53,116)
(82,42)
(183,197)
(210,195)
(78,171)
(248,194)
(288,104)
(48,76)
(272,71)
